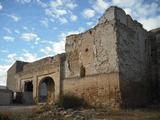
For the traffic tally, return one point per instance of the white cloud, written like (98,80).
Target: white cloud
(1,7)
(44,22)
(42,4)
(8,38)
(48,51)
(3,74)
(14,17)
(73,18)
(28,57)
(88,13)
(128,11)
(24,56)
(150,23)
(54,9)
(4,51)
(144,12)
(63,20)
(56,3)
(54,48)
(71,5)
(89,23)
(12,57)
(60,10)
(147,10)
(30,37)
(23,1)
(25,28)
(58,46)
(16,31)
(7,30)
(125,2)
(100,6)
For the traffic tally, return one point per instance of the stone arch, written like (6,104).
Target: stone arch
(46,90)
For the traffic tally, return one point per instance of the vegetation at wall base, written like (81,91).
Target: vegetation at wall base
(4,117)
(71,101)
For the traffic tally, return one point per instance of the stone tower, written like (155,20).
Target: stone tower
(114,55)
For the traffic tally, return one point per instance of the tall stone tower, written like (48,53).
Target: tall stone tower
(114,58)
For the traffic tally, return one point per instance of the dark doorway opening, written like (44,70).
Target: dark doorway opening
(82,71)
(46,90)
(28,86)
(28,93)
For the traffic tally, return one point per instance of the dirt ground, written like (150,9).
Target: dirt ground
(53,113)
(17,108)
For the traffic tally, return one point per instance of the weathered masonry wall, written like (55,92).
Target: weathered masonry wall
(95,50)
(154,37)
(5,97)
(91,66)
(117,44)
(133,60)
(98,90)
(11,80)
(36,72)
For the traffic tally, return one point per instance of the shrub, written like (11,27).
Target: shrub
(44,108)
(4,117)
(70,101)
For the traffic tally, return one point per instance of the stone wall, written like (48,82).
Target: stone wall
(133,60)
(116,44)
(27,98)
(36,72)
(11,80)
(95,50)
(98,90)
(5,97)
(154,37)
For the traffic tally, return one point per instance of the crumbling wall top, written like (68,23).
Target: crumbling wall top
(113,13)
(118,14)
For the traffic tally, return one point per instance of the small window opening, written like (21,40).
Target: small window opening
(82,71)
(86,49)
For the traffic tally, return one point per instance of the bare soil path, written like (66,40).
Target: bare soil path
(18,108)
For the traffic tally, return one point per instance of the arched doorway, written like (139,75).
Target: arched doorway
(46,90)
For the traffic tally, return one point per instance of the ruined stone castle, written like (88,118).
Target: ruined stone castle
(116,63)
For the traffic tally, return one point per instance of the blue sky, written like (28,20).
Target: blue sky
(32,29)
